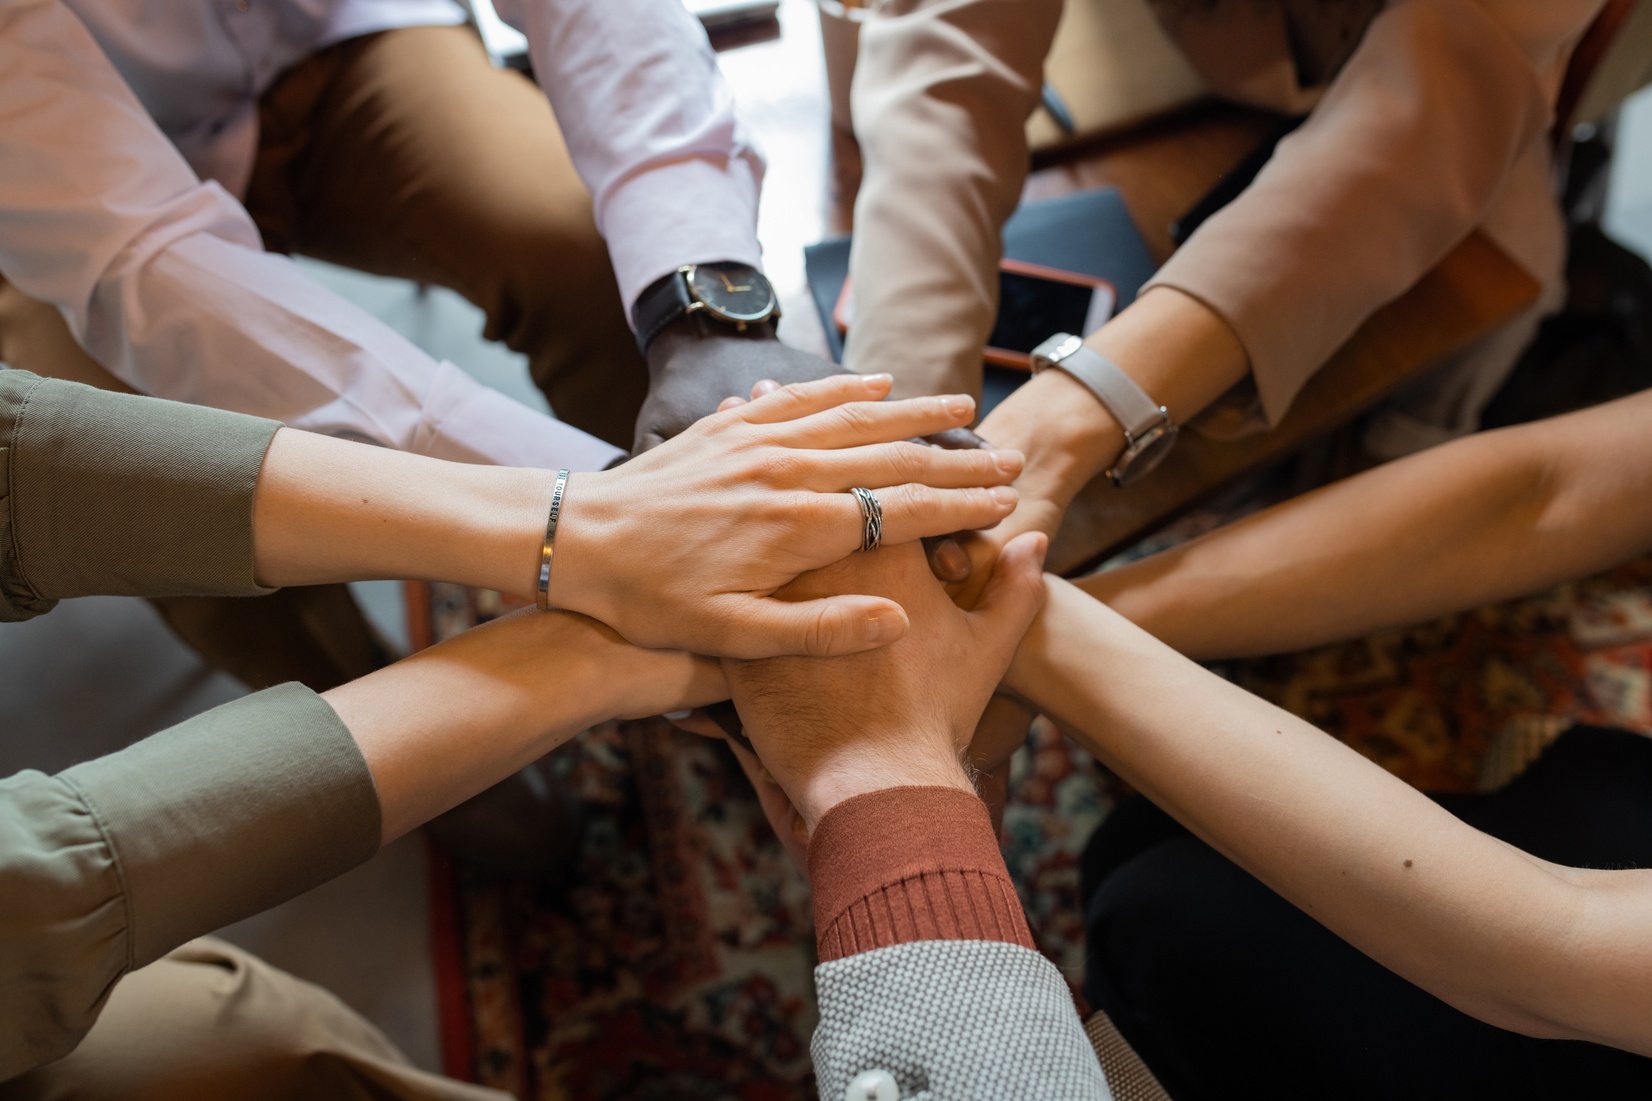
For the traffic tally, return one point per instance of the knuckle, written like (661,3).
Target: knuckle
(855,417)
(778,467)
(821,633)
(909,462)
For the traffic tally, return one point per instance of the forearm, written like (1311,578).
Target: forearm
(1473,522)
(1474,921)
(1401,158)
(1176,349)
(444,724)
(330,510)
(164,280)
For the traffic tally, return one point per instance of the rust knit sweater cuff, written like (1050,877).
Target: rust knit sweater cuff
(908,864)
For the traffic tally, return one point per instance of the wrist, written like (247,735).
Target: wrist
(589,533)
(1067,436)
(696,335)
(919,763)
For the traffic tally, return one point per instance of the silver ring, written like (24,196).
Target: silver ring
(872,514)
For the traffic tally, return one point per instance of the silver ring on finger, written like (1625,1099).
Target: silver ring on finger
(871,514)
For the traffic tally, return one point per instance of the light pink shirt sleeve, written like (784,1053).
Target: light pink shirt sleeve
(163,278)
(651,127)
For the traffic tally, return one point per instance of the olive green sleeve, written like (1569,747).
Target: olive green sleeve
(104,493)
(110,864)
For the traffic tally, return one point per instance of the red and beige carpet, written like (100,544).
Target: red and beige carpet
(677,961)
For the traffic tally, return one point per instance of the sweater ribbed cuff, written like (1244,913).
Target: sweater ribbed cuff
(910,864)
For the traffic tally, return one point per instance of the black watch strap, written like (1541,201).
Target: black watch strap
(661,302)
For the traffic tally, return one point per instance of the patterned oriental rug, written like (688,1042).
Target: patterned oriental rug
(676,964)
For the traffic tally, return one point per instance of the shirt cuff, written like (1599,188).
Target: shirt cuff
(227,814)
(910,864)
(469,422)
(693,211)
(116,494)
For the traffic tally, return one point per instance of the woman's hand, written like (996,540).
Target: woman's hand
(684,546)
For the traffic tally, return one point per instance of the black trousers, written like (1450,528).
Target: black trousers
(1226,990)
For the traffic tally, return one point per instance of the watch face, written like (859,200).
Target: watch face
(733,292)
(1144,454)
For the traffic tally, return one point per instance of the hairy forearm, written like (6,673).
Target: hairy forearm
(331,510)
(1478,923)
(1472,522)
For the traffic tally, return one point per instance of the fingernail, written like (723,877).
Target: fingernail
(958,405)
(882,627)
(678,716)
(952,562)
(1009,461)
(882,378)
(1005,495)
(766,386)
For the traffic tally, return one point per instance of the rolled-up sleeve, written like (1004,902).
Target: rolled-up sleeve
(109,865)
(104,493)
(1403,157)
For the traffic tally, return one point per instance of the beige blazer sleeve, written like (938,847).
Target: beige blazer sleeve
(1404,155)
(941,95)
(104,493)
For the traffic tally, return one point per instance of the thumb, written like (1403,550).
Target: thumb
(828,627)
(1015,591)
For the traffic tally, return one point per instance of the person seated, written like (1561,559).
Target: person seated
(155,166)
(121,861)
(1312,914)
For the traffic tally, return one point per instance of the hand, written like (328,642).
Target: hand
(684,546)
(691,372)
(947,559)
(538,655)
(828,730)
(1052,477)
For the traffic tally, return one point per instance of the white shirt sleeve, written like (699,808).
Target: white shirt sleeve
(163,278)
(650,124)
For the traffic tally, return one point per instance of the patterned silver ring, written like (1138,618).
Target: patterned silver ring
(871,514)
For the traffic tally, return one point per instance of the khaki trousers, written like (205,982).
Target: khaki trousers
(208,1022)
(407,154)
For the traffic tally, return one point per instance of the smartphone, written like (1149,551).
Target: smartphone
(1034,303)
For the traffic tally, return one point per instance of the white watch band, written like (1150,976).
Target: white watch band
(1148,430)
(1129,403)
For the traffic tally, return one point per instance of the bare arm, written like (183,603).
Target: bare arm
(1475,521)
(446,723)
(1515,941)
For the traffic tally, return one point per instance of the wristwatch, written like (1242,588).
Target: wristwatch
(1148,431)
(728,293)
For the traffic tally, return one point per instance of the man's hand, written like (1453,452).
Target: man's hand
(830,729)
(691,372)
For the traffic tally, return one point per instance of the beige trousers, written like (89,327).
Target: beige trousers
(208,1022)
(407,154)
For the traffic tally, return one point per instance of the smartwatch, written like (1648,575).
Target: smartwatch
(1148,431)
(726,293)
